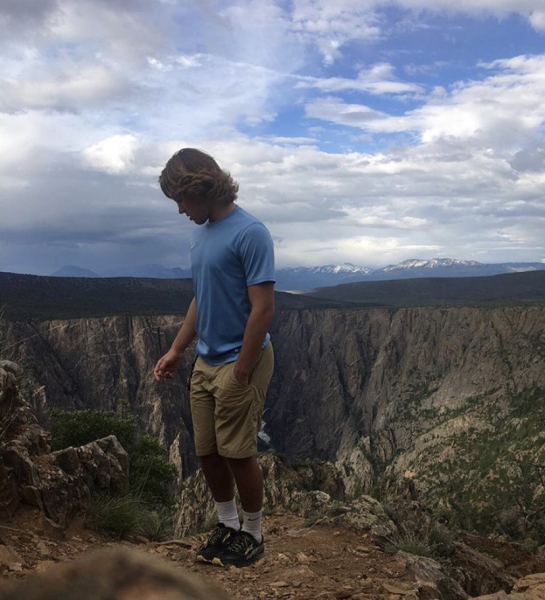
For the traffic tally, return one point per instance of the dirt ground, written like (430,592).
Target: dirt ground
(300,563)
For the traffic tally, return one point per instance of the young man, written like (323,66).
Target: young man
(232,263)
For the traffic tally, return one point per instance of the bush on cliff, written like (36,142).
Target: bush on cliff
(150,474)
(147,505)
(80,427)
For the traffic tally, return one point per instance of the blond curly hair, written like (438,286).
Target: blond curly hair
(191,173)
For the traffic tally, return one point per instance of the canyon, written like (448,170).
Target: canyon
(406,392)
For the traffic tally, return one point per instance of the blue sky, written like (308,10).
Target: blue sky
(363,131)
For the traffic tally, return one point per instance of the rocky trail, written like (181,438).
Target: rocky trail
(301,562)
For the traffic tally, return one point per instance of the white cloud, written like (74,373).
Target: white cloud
(112,155)
(379,79)
(537,19)
(357,115)
(72,89)
(292,140)
(330,25)
(533,10)
(503,110)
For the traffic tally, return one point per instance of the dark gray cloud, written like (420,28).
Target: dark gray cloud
(27,10)
(532,159)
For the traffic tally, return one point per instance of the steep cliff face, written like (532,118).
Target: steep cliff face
(365,388)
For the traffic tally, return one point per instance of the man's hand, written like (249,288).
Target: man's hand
(241,375)
(167,365)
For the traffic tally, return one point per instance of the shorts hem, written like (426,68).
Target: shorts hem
(214,450)
(247,454)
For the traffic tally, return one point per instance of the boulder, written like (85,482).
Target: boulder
(56,483)
(120,574)
(477,572)
(433,583)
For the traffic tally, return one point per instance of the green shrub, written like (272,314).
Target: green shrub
(118,515)
(441,541)
(151,474)
(437,544)
(126,515)
(157,524)
(412,544)
(147,507)
(81,427)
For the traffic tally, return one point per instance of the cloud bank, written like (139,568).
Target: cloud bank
(343,152)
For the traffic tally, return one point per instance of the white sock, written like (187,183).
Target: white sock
(227,514)
(252,524)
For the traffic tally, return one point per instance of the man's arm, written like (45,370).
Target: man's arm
(187,332)
(262,300)
(167,365)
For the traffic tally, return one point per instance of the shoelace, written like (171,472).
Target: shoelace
(216,535)
(241,543)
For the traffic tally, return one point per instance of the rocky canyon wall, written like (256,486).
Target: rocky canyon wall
(357,386)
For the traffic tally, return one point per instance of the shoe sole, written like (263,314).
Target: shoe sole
(217,561)
(201,559)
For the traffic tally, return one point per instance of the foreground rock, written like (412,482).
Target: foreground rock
(56,483)
(119,574)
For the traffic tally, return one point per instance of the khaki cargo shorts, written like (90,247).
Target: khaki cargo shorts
(227,414)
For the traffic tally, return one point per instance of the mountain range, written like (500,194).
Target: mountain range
(308,278)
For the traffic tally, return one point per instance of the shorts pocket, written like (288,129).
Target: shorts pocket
(234,379)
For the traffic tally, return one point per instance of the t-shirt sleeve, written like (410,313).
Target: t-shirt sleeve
(256,251)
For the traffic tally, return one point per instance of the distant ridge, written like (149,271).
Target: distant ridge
(73,271)
(152,271)
(499,289)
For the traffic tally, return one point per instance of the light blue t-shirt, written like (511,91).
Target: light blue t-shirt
(227,256)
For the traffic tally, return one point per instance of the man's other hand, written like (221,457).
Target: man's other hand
(167,365)
(242,375)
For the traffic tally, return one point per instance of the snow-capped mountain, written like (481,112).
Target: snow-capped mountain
(433,263)
(308,278)
(328,269)
(305,278)
(447,267)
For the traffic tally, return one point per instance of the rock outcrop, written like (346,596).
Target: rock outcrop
(531,587)
(56,483)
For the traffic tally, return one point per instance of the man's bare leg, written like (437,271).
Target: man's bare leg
(219,477)
(249,480)
(221,482)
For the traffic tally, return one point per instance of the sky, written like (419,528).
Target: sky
(362,131)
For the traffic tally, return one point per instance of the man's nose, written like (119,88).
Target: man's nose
(181,209)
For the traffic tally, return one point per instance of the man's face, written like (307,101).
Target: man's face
(197,210)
